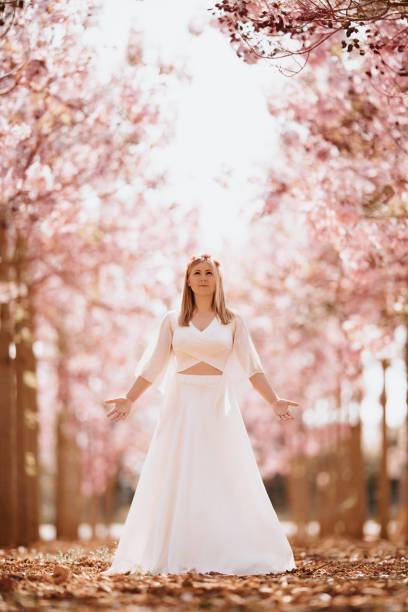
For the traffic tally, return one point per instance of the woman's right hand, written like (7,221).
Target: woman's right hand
(281,409)
(121,409)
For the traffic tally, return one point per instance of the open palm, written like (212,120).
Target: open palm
(281,409)
(120,410)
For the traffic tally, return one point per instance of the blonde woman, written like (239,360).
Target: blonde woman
(200,503)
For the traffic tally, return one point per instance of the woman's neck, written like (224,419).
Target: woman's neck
(203,304)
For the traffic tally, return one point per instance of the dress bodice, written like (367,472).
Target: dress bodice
(212,345)
(189,345)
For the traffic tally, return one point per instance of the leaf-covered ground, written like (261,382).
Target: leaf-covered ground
(334,573)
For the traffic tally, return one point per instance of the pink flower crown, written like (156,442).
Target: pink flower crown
(205,256)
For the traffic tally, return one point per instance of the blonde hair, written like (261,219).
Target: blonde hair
(224,314)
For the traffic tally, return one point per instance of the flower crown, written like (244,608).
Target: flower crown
(205,256)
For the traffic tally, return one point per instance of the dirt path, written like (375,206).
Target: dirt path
(331,574)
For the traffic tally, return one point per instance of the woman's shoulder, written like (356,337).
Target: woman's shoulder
(170,313)
(171,316)
(236,318)
(168,317)
(236,313)
(239,320)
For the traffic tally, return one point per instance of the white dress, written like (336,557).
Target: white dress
(200,503)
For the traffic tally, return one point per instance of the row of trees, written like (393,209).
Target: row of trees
(343,177)
(76,172)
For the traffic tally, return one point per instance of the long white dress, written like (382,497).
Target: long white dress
(200,502)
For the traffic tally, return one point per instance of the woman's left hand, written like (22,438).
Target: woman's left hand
(121,409)
(281,409)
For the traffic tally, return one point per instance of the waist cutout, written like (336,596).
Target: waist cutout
(200,379)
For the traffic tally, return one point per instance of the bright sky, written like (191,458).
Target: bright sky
(222,125)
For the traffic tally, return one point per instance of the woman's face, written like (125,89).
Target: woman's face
(202,279)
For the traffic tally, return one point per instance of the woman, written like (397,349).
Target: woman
(200,503)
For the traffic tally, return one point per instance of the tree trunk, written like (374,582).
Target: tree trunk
(325,497)
(298,493)
(27,411)
(356,508)
(329,478)
(109,498)
(383,498)
(403,509)
(68,473)
(68,498)
(68,481)
(345,499)
(94,513)
(8,449)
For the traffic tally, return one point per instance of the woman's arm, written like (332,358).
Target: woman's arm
(156,359)
(252,365)
(260,383)
(123,405)
(139,386)
(280,405)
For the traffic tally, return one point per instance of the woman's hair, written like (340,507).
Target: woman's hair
(218,303)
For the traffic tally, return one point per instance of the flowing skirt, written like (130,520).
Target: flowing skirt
(200,503)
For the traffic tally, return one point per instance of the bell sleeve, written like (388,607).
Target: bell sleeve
(244,348)
(156,356)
